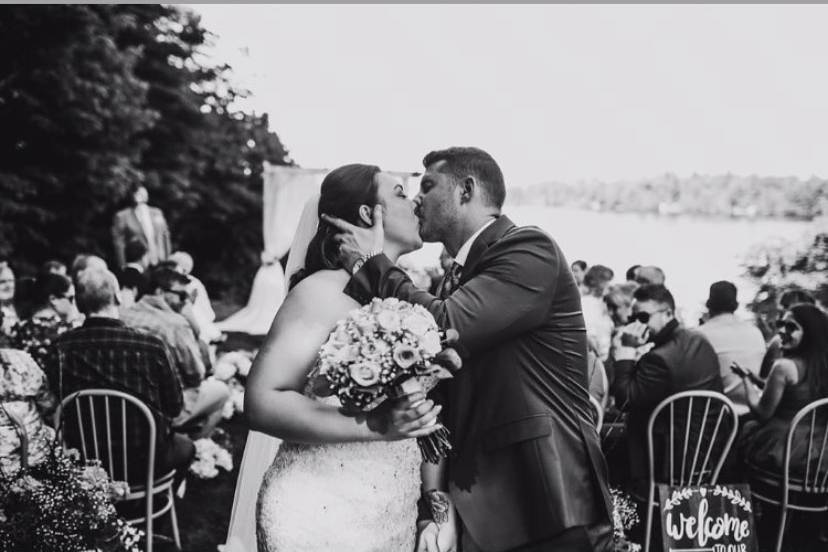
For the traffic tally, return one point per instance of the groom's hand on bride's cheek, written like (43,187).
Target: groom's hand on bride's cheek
(357,241)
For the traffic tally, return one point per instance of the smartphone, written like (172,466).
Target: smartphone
(632,340)
(738,370)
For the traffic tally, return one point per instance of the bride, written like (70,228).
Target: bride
(337,482)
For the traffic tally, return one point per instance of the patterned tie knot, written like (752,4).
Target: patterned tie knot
(451,280)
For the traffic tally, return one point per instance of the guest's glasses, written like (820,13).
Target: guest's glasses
(787,326)
(182,295)
(643,316)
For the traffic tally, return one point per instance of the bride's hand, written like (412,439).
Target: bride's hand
(437,538)
(447,537)
(409,417)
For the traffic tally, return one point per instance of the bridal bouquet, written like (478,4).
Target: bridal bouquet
(384,350)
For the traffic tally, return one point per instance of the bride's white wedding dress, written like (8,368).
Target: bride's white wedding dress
(354,497)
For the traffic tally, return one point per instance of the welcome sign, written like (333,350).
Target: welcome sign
(716,518)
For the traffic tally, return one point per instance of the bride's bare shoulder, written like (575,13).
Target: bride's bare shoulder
(320,287)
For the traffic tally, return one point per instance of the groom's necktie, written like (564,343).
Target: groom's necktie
(451,280)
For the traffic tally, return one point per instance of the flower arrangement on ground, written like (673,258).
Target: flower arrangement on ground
(61,505)
(232,368)
(383,350)
(209,457)
(624,518)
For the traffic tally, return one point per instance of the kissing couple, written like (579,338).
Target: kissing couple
(526,472)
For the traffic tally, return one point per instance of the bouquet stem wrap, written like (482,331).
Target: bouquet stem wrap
(435,446)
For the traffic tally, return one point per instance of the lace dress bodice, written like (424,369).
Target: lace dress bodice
(359,497)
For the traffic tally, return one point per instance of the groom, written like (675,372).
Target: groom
(526,473)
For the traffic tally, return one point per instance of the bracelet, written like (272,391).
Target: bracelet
(439,505)
(361,261)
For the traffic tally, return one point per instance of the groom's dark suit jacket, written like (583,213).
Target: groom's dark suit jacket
(527,462)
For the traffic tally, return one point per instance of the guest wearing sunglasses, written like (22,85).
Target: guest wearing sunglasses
(655,358)
(159,313)
(798,378)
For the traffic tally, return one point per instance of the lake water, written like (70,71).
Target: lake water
(693,252)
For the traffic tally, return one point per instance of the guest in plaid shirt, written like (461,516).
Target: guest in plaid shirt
(158,312)
(105,353)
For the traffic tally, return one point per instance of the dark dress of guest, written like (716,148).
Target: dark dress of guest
(798,378)
(54,298)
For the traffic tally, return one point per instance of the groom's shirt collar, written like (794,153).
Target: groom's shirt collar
(463,254)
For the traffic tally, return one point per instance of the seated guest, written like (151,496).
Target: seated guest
(201,306)
(631,273)
(105,353)
(53,267)
(53,297)
(136,255)
(598,384)
(597,319)
(579,271)
(798,378)
(656,358)
(733,339)
(159,312)
(24,399)
(84,260)
(649,275)
(133,277)
(774,350)
(7,305)
(619,299)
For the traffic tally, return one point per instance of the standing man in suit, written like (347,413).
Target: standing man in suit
(144,223)
(526,472)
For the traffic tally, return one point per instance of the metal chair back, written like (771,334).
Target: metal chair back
(698,443)
(100,420)
(813,418)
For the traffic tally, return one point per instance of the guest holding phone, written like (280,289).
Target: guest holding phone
(798,378)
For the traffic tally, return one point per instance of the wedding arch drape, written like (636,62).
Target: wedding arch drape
(285,191)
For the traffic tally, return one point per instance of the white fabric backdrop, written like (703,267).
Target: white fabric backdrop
(285,191)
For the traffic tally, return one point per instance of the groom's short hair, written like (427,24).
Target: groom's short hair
(463,161)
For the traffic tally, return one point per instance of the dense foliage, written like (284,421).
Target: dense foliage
(96,97)
(782,265)
(718,196)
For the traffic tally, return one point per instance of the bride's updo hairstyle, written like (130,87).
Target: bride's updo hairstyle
(343,191)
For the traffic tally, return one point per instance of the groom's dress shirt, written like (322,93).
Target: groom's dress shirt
(463,253)
(527,464)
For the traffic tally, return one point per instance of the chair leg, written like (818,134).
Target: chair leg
(649,524)
(149,522)
(782,522)
(174,519)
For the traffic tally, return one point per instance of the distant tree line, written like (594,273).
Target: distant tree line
(94,98)
(715,196)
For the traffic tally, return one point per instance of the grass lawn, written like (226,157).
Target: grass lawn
(204,512)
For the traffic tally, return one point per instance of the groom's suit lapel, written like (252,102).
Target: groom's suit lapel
(490,235)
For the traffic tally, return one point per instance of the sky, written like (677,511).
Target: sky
(553,92)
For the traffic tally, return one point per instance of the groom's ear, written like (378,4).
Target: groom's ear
(366,215)
(467,189)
